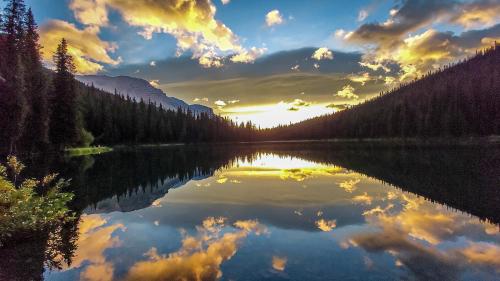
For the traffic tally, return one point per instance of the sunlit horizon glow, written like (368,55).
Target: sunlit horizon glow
(272,115)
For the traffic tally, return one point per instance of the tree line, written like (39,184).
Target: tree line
(42,109)
(455,101)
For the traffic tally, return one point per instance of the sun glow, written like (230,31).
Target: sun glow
(272,115)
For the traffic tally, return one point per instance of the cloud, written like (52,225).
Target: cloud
(349,185)
(362,15)
(393,42)
(274,17)
(191,22)
(337,107)
(95,237)
(322,54)
(360,78)
(478,14)
(88,50)
(205,99)
(340,33)
(296,104)
(347,92)
(225,2)
(326,225)
(200,257)
(300,103)
(90,12)
(220,103)
(279,263)
(155,83)
(424,262)
(248,56)
(363,199)
(482,253)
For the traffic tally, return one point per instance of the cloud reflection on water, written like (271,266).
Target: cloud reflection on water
(200,256)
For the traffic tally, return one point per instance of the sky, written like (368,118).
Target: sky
(268,61)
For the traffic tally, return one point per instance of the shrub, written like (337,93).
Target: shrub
(31,204)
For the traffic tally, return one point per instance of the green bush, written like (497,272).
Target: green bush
(31,204)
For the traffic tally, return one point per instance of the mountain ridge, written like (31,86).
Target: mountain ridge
(139,89)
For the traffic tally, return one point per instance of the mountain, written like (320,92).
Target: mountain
(138,89)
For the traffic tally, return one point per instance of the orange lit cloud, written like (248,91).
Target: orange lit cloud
(347,92)
(349,185)
(326,225)
(199,258)
(94,238)
(88,50)
(394,41)
(192,23)
(279,263)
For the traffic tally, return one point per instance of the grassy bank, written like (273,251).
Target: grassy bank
(80,151)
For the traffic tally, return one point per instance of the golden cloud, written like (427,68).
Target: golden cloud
(482,253)
(363,199)
(349,185)
(191,22)
(326,225)
(279,263)
(322,54)
(94,238)
(199,258)
(274,17)
(347,92)
(90,12)
(390,43)
(478,14)
(248,56)
(361,78)
(88,50)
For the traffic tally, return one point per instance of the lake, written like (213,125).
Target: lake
(296,211)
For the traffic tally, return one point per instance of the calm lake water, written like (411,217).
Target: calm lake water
(277,212)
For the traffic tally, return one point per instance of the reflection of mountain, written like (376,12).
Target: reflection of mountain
(140,198)
(133,179)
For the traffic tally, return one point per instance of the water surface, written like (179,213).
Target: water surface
(283,212)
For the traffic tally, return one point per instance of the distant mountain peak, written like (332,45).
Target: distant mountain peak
(138,89)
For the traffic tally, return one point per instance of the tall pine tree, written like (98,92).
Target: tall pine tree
(36,133)
(13,106)
(63,121)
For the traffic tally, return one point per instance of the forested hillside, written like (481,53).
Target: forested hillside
(455,101)
(116,119)
(44,110)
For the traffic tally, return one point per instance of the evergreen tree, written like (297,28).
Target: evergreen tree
(13,107)
(36,133)
(63,125)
